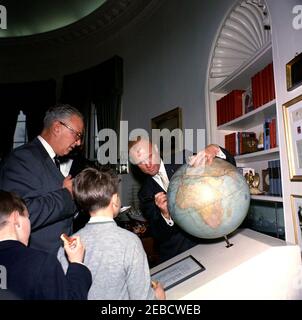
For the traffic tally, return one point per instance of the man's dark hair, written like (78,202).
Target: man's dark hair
(10,202)
(93,189)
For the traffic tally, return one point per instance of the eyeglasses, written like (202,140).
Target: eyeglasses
(78,135)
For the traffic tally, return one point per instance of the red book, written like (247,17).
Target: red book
(254,92)
(260,88)
(229,107)
(223,110)
(230,143)
(238,103)
(266,84)
(272,81)
(218,112)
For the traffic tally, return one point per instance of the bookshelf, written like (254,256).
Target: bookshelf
(251,121)
(263,155)
(223,79)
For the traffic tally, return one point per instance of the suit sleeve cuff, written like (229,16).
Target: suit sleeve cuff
(221,155)
(169,222)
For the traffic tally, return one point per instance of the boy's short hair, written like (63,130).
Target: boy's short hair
(93,189)
(10,202)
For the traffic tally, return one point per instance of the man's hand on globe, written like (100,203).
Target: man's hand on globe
(162,202)
(209,202)
(205,156)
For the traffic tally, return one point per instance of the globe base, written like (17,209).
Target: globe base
(228,242)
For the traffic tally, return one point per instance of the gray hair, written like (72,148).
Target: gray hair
(60,112)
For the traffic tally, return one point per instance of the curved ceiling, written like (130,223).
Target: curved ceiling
(31,17)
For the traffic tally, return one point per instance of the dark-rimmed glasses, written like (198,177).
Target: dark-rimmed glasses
(78,135)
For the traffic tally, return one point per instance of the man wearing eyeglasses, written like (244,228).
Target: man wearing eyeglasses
(33,172)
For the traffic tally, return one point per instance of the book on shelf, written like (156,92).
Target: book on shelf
(266,135)
(241,142)
(263,87)
(270,133)
(275,184)
(229,107)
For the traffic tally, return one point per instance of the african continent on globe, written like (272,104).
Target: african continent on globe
(208,202)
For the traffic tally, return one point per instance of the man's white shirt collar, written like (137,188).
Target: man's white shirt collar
(47,147)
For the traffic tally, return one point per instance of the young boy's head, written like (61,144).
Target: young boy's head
(94,190)
(14,217)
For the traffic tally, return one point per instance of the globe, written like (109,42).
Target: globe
(208,202)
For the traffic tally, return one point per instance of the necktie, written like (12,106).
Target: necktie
(164,180)
(57,162)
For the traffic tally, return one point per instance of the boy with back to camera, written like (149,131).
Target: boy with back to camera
(115,256)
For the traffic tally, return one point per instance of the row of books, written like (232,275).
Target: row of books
(239,102)
(270,134)
(241,142)
(238,143)
(229,107)
(274,172)
(263,88)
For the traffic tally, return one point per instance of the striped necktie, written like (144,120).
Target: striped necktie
(164,180)
(57,162)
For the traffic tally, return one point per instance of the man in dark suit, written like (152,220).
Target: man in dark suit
(33,173)
(172,240)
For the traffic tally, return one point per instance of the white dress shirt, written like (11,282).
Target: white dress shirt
(65,166)
(48,148)
(157,178)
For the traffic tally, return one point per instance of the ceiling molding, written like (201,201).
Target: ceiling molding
(104,22)
(73,48)
(240,37)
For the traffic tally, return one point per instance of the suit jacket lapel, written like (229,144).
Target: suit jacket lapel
(47,160)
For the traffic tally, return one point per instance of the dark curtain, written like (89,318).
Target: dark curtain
(39,96)
(33,98)
(77,92)
(108,112)
(107,92)
(101,85)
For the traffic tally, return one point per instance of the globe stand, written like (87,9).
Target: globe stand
(228,242)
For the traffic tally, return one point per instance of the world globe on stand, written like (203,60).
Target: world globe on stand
(208,202)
